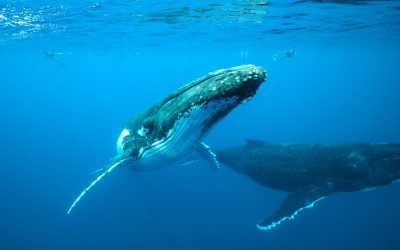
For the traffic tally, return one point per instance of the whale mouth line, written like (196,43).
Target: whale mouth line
(164,139)
(197,119)
(171,132)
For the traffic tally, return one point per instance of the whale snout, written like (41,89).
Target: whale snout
(241,82)
(248,78)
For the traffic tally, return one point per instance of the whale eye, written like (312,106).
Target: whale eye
(147,125)
(145,129)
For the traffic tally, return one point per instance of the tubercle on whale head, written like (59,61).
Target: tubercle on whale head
(241,82)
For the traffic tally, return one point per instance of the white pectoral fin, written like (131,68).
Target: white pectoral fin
(296,201)
(105,172)
(206,154)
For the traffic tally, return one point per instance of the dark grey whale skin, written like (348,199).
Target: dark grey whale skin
(312,171)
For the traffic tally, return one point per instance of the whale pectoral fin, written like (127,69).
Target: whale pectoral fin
(206,154)
(297,200)
(99,177)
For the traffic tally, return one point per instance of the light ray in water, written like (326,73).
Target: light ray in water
(94,183)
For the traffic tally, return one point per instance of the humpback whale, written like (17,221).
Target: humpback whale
(284,54)
(311,172)
(56,56)
(174,127)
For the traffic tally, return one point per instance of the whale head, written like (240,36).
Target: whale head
(180,120)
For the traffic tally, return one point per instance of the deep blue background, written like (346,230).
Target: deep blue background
(58,124)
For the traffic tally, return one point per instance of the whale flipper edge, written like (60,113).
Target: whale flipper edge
(297,200)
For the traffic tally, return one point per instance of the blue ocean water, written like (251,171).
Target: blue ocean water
(72,73)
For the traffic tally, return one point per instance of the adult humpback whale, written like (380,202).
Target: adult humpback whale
(175,126)
(310,172)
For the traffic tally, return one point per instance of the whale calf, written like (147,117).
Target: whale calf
(310,172)
(174,127)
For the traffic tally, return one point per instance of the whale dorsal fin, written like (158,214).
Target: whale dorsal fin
(297,200)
